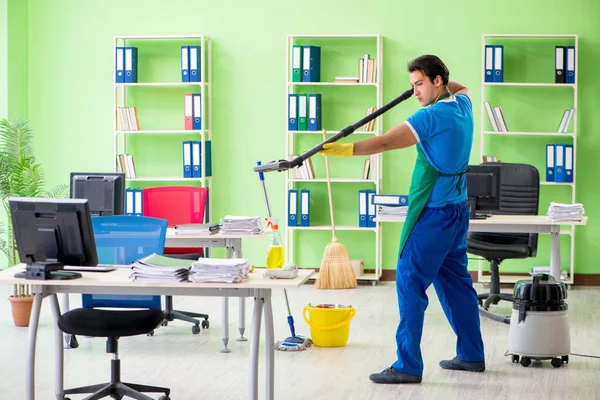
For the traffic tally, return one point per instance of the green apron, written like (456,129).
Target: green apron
(423,181)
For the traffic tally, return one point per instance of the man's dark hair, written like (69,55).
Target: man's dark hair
(430,66)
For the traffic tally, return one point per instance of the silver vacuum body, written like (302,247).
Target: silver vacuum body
(539,324)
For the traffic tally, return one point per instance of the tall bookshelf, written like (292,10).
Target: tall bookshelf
(158,96)
(529,68)
(342,104)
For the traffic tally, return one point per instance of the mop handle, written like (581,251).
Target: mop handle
(261,175)
(283,165)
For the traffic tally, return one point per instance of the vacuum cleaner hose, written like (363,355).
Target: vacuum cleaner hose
(499,318)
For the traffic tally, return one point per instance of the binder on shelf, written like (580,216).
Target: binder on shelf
(196,160)
(188,107)
(311,64)
(305,207)
(559,163)
(314,112)
(296,63)
(371,211)
(197,111)
(185,63)
(302,112)
(138,206)
(492,116)
(187,159)
(391,200)
(489,63)
(120,64)
(568,163)
(194,63)
(206,159)
(292,207)
(570,64)
(362,208)
(499,63)
(568,121)
(559,64)
(549,163)
(131,62)
(292,112)
(129,202)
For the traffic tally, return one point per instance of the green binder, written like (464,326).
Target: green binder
(302,112)
(297,64)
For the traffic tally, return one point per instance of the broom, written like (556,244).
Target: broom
(336,269)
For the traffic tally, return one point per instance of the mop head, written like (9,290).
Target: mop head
(294,343)
(336,269)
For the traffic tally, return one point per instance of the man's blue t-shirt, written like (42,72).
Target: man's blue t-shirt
(444,131)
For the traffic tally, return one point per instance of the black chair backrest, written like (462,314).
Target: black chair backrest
(519,194)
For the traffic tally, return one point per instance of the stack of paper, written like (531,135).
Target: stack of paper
(191,229)
(155,268)
(565,212)
(399,211)
(229,270)
(232,224)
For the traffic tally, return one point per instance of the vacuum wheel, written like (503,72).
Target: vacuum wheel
(195,329)
(164,323)
(556,362)
(164,398)
(205,324)
(150,333)
(565,359)
(525,361)
(515,358)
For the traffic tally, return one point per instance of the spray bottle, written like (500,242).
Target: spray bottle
(275,257)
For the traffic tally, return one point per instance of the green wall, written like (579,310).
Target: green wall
(3,58)
(70,89)
(18,58)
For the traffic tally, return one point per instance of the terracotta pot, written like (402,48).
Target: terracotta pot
(21,309)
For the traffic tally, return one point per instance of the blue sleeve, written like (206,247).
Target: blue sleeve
(421,124)
(465,101)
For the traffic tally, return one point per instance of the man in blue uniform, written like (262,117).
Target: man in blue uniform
(433,240)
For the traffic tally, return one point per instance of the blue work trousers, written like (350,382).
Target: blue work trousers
(436,252)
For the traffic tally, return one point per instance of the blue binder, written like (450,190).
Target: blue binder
(196,160)
(120,64)
(311,64)
(292,207)
(197,111)
(208,158)
(371,210)
(568,163)
(185,63)
(549,163)
(187,159)
(390,200)
(138,206)
(498,63)
(131,60)
(570,64)
(559,163)
(314,112)
(305,207)
(194,63)
(292,112)
(129,202)
(489,63)
(362,208)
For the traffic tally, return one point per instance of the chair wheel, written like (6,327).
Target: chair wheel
(556,362)
(565,359)
(515,358)
(205,324)
(164,323)
(150,333)
(164,398)
(525,361)
(195,329)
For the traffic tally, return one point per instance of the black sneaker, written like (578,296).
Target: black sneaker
(392,375)
(456,364)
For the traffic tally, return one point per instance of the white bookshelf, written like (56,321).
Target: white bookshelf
(573,39)
(375,182)
(120,96)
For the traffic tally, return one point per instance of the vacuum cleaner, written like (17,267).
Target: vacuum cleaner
(539,326)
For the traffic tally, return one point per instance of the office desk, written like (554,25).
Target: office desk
(118,282)
(233,244)
(517,224)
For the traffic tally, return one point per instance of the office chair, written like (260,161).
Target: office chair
(178,205)
(519,194)
(119,240)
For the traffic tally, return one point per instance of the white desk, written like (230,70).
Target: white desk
(118,282)
(233,244)
(517,224)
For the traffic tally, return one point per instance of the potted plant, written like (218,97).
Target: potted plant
(20,176)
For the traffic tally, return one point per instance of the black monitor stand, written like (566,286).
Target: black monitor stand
(46,270)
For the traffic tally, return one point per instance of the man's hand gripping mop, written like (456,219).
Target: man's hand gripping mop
(294,342)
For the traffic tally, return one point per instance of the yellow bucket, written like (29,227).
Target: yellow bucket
(329,323)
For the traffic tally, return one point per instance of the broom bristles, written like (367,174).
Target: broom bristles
(336,269)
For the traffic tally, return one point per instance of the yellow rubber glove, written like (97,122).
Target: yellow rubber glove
(336,149)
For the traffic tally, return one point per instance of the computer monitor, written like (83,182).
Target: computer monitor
(483,189)
(51,233)
(104,191)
